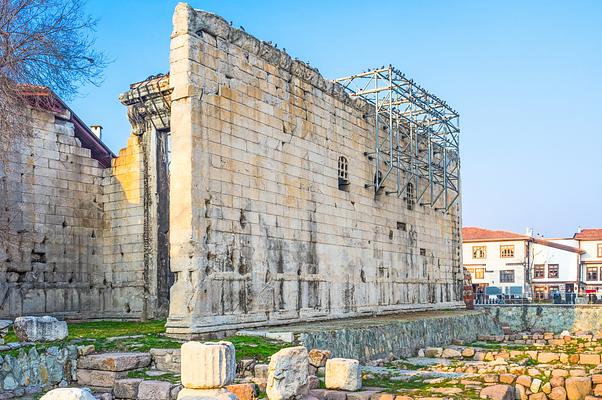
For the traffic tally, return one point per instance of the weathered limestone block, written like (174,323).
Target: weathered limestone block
(557,393)
(451,353)
(68,394)
(497,392)
(40,329)
(154,390)
(204,394)
(95,378)
(4,325)
(287,374)
(115,361)
(343,374)
(318,358)
(167,359)
(126,388)
(589,359)
(244,391)
(207,365)
(546,358)
(434,352)
(578,387)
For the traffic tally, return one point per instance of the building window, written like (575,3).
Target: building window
(479,273)
(507,251)
(539,271)
(343,174)
(507,276)
(592,273)
(599,250)
(540,292)
(402,226)
(552,270)
(479,251)
(410,196)
(423,252)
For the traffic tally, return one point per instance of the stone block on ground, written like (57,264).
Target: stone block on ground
(95,378)
(497,392)
(343,374)
(154,390)
(318,358)
(126,388)
(578,387)
(68,394)
(207,365)
(40,329)
(4,325)
(244,391)
(115,361)
(287,374)
(204,394)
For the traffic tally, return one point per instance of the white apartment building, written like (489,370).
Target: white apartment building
(590,241)
(528,266)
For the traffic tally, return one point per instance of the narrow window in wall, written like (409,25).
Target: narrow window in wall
(479,273)
(423,252)
(507,251)
(402,226)
(507,276)
(343,174)
(479,251)
(552,270)
(592,273)
(410,196)
(599,250)
(539,271)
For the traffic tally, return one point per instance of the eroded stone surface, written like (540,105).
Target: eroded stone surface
(115,361)
(287,374)
(343,374)
(40,329)
(207,365)
(68,394)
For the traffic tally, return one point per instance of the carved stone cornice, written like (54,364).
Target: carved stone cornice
(149,104)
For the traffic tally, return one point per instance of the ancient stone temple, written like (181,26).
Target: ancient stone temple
(252,198)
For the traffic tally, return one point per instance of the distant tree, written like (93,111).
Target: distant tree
(47,43)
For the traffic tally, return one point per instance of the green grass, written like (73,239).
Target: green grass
(99,333)
(167,377)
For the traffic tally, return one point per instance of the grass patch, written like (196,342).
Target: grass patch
(166,377)
(255,347)
(143,337)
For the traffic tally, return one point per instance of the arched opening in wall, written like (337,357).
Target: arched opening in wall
(410,196)
(343,174)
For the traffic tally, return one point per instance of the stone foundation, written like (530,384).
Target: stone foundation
(548,317)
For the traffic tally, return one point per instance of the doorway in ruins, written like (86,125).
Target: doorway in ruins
(165,278)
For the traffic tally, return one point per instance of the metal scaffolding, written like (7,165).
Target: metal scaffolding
(416,135)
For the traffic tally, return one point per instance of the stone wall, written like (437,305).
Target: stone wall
(77,239)
(547,317)
(31,370)
(123,245)
(401,337)
(51,223)
(260,231)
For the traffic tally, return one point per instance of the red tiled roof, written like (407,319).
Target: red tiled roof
(473,233)
(589,234)
(44,98)
(558,246)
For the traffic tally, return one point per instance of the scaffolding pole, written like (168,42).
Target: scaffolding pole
(416,137)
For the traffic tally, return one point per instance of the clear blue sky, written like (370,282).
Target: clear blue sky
(524,75)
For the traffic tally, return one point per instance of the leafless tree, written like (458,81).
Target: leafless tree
(48,43)
(42,42)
